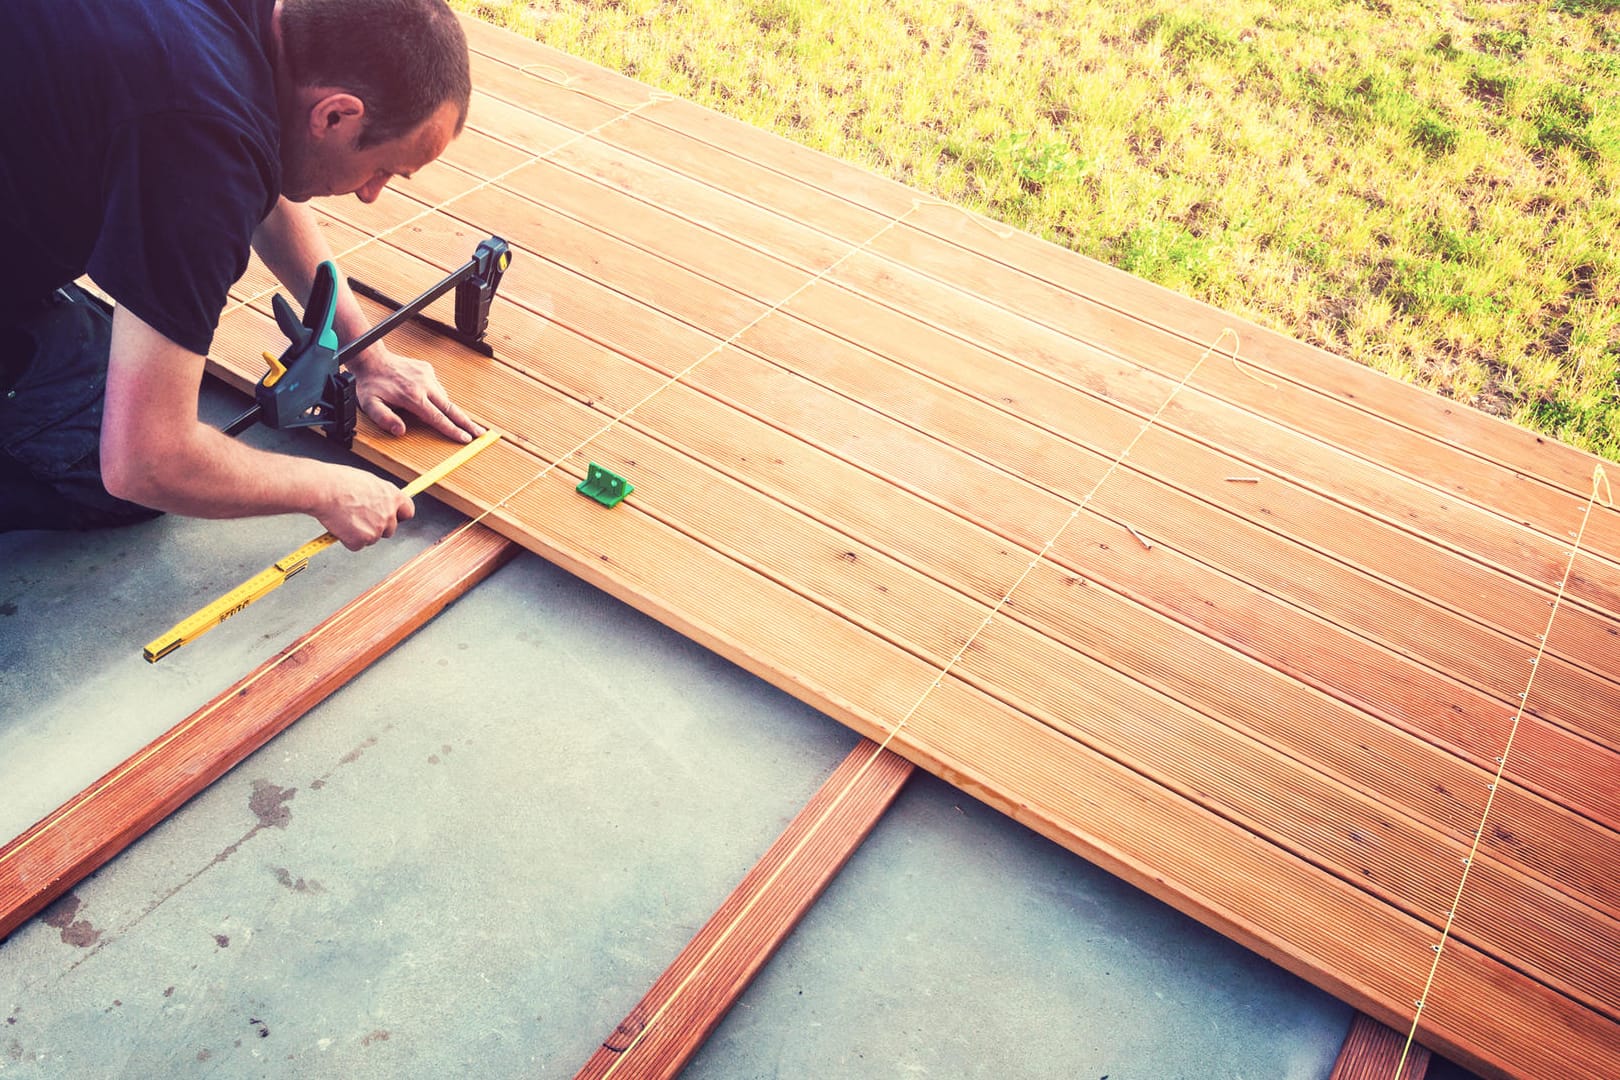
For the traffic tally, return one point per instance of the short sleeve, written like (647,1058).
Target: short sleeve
(184,194)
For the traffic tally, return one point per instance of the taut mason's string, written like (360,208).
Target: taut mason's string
(1600,484)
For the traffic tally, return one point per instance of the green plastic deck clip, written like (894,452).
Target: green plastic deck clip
(605,487)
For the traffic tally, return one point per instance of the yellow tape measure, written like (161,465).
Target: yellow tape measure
(273,576)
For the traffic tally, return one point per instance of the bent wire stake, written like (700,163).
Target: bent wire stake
(274,575)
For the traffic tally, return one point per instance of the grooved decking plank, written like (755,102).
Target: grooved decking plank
(1281,718)
(1373,1051)
(1296,718)
(1447,576)
(1599,631)
(84,833)
(1483,656)
(691,997)
(1400,689)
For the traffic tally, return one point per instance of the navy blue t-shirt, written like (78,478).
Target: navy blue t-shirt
(139,145)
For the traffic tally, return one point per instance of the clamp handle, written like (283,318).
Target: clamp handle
(304,386)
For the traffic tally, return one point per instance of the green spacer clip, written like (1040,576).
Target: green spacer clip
(605,487)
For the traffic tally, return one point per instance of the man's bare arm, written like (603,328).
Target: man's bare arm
(291,245)
(155,451)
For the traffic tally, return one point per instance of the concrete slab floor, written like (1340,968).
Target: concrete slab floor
(475,858)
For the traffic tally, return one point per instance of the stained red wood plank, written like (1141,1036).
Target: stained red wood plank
(692,996)
(84,833)
(1372,1051)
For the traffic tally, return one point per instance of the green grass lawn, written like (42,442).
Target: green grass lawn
(1429,189)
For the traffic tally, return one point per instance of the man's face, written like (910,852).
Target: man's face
(322,158)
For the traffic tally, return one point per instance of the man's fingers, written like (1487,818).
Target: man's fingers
(411,386)
(455,413)
(447,427)
(439,414)
(384,417)
(466,423)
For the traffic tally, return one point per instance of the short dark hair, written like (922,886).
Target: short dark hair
(403,58)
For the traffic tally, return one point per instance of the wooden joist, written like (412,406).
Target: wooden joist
(1372,1051)
(84,833)
(692,996)
(687,1002)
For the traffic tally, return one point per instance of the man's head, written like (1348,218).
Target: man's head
(371,89)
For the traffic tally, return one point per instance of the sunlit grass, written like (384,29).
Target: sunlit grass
(1428,189)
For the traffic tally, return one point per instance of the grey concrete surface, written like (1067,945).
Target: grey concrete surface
(474,859)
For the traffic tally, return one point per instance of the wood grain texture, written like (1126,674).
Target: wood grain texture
(879,448)
(692,996)
(84,833)
(1372,1051)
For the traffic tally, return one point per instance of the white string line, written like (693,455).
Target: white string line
(1079,508)
(684,372)
(1599,479)
(849,787)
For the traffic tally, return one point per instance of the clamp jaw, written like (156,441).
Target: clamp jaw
(306,386)
(475,282)
(475,291)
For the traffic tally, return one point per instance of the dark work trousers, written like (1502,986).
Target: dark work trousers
(53,378)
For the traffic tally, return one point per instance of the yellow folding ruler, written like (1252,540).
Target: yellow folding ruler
(270,578)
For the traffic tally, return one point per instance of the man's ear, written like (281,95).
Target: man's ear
(337,114)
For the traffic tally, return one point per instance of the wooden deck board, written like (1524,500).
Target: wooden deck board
(1602,689)
(1372,1051)
(1600,651)
(1283,718)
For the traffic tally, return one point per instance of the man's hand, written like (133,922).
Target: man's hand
(361,509)
(386,382)
(155,452)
